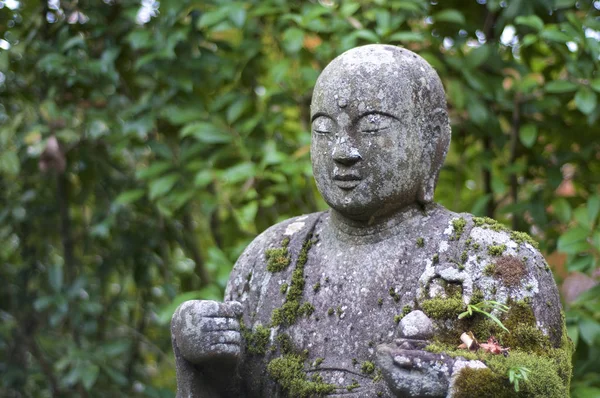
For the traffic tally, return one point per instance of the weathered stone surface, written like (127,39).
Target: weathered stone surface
(363,300)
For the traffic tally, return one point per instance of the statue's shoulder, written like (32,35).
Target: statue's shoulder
(283,238)
(506,266)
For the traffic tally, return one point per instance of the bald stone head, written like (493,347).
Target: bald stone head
(380,131)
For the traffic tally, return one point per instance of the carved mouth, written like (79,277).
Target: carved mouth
(346,181)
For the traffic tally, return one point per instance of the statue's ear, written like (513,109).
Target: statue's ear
(436,138)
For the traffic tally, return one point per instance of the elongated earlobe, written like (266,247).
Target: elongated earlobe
(436,141)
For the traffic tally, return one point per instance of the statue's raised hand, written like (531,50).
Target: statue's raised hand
(208,331)
(207,344)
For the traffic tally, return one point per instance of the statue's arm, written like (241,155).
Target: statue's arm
(207,340)
(207,345)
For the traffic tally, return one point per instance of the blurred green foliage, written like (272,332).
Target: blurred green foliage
(183,132)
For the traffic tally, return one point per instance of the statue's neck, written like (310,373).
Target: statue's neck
(375,229)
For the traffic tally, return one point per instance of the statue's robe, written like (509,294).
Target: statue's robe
(359,284)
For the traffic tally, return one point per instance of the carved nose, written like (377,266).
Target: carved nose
(346,154)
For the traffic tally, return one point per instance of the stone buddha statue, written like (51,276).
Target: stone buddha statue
(372,297)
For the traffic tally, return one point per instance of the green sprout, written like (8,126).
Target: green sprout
(517,373)
(483,307)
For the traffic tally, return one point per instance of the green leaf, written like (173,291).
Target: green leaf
(9,163)
(560,86)
(140,39)
(595,85)
(405,37)
(115,348)
(153,170)
(572,241)
(55,277)
(237,14)
(42,303)
(205,132)
(213,17)
(367,35)
(238,173)
(451,16)
(586,100)
(478,56)
(348,9)
(562,210)
(115,375)
(203,178)
(593,206)
(528,134)
(73,42)
(237,108)
(589,330)
(130,196)
(246,215)
(555,35)
(162,185)
(89,375)
(533,21)
(293,38)
(581,216)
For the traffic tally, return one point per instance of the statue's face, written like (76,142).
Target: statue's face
(366,147)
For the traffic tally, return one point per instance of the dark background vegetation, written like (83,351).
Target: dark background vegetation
(183,132)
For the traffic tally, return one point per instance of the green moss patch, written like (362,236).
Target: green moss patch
(489,223)
(496,250)
(288,371)
(367,367)
(443,308)
(278,258)
(257,340)
(522,237)
(292,309)
(459,226)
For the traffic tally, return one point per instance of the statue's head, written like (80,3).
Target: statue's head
(380,131)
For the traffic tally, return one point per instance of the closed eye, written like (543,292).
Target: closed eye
(374,130)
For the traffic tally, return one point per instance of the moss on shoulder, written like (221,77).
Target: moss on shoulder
(278,258)
(292,309)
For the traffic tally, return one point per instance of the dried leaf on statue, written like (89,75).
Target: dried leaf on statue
(469,341)
(492,346)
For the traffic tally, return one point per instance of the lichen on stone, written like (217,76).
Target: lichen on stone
(420,242)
